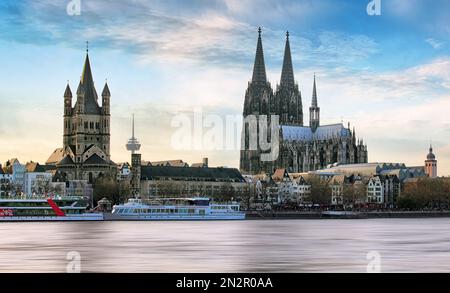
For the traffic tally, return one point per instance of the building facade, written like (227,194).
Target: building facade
(6,184)
(375,190)
(168,181)
(85,154)
(301,148)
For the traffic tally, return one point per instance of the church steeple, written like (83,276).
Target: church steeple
(67,101)
(259,69)
(106,96)
(431,164)
(314,110)
(287,73)
(86,93)
(67,92)
(314,94)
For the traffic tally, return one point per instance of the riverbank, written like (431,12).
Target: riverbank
(258,215)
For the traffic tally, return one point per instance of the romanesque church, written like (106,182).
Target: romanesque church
(301,148)
(85,154)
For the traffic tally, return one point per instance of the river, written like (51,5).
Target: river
(396,245)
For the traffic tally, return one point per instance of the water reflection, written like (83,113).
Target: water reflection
(405,245)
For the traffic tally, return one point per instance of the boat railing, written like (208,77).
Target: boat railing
(34,197)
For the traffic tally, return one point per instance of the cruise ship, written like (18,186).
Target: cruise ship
(196,208)
(56,208)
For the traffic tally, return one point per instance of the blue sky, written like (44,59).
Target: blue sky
(387,75)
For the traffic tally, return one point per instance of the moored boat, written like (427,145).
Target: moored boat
(56,208)
(196,208)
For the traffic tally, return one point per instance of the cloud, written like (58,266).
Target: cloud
(206,34)
(434,43)
(204,52)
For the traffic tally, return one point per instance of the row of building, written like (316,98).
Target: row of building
(33,179)
(377,183)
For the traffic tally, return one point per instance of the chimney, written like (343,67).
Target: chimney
(205,162)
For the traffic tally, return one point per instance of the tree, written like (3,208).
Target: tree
(354,193)
(425,193)
(116,192)
(226,192)
(320,191)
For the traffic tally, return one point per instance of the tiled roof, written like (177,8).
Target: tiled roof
(172,163)
(188,173)
(34,167)
(302,133)
(278,175)
(55,157)
(66,161)
(95,160)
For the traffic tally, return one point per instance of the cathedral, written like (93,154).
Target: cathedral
(301,148)
(85,154)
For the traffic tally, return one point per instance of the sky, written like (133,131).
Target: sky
(388,75)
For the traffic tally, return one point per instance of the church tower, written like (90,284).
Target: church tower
(431,164)
(314,110)
(85,154)
(87,124)
(258,102)
(288,100)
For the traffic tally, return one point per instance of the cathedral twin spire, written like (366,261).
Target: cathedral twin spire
(287,81)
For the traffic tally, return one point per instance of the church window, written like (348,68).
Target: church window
(85,125)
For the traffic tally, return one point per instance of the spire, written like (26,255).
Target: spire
(67,92)
(87,88)
(430,155)
(86,76)
(132,128)
(106,92)
(314,94)
(314,110)
(287,73)
(259,69)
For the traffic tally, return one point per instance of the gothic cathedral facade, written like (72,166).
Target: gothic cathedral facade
(301,148)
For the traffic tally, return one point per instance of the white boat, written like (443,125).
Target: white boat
(196,208)
(56,208)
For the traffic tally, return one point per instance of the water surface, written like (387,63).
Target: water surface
(405,245)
